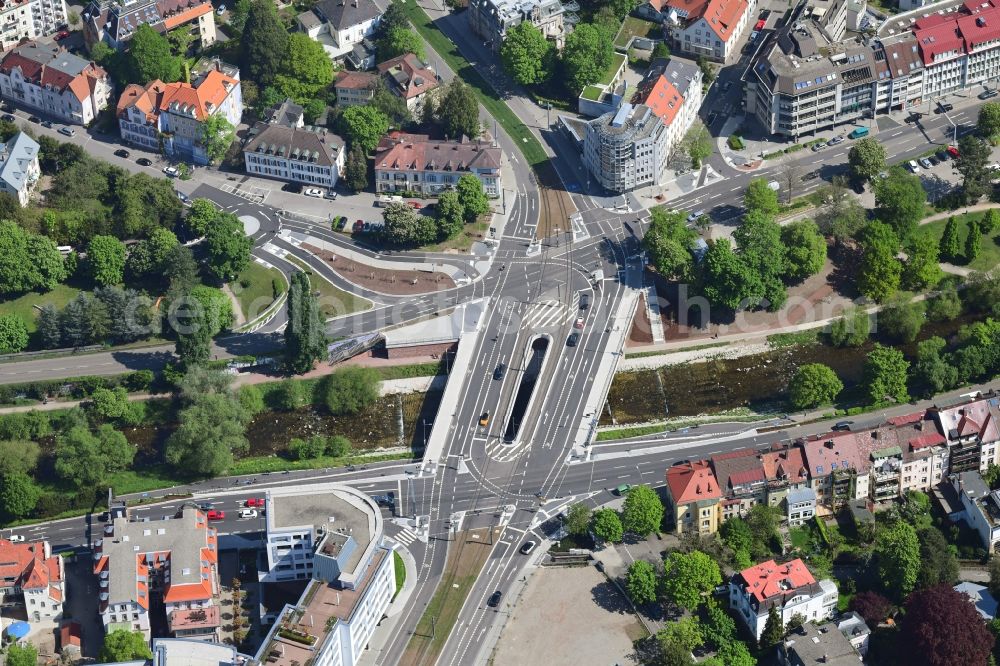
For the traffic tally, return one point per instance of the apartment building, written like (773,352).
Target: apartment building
(33,578)
(416,163)
(742,479)
(354,88)
(340,25)
(702,28)
(785,471)
(332,535)
(694,498)
(672,89)
(801,506)
(19,170)
(980,507)
(627,149)
(171,116)
(114,22)
(971,434)
(491,19)
(29,19)
(286,149)
(409,79)
(789,588)
(49,79)
(172,561)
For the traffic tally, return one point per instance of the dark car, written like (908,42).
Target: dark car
(812,175)
(584,301)
(942,155)
(143,161)
(499,372)
(103,517)
(34,119)
(121,152)
(988,94)
(933,160)
(47,123)
(842,425)
(9,118)
(494,599)
(573,338)
(294,188)
(205,506)
(945,108)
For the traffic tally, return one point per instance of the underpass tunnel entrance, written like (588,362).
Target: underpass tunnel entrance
(526,388)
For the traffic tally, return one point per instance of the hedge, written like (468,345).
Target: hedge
(74,387)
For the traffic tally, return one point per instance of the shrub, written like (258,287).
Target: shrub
(289,396)
(252,399)
(307,449)
(338,446)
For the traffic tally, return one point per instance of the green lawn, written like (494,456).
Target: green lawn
(633,27)
(25,306)
(259,292)
(988,257)
(411,370)
(333,302)
(799,537)
(397,562)
(530,148)
(616,64)
(593,93)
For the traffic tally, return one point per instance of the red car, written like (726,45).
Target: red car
(62,34)
(254,502)
(216,515)
(359,226)
(414,205)
(953,151)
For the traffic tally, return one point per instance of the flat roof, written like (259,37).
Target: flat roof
(181,652)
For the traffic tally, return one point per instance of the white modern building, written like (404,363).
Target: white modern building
(491,19)
(19,170)
(627,149)
(31,577)
(332,534)
(29,19)
(340,25)
(47,78)
(286,149)
(801,506)
(789,588)
(416,163)
(980,507)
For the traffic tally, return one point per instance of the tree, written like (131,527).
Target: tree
(578,519)
(211,430)
(19,456)
(661,50)
(356,169)
(307,449)
(689,576)
(774,629)
(391,105)
(180,40)
(944,306)
(586,56)
(338,446)
(106,260)
(685,632)
(973,241)
(85,459)
(922,268)
(526,54)
(898,551)
(263,45)
(989,119)
(363,126)
(350,389)
(941,628)
(607,526)
(852,329)
(109,404)
(736,535)
(217,134)
(734,653)
(932,370)
(758,239)
(227,247)
(973,158)
(305,335)
(899,201)
(990,222)
(902,320)
(885,375)
(398,41)
(697,144)
(403,226)
(305,71)
(124,645)
(458,111)
(18,495)
(27,262)
(642,512)
(473,197)
(866,158)
(814,384)
(191,324)
(871,606)
(147,257)
(450,215)
(22,655)
(49,330)
(759,197)
(805,250)
(727,280)
(640,582)
(667,241)
(13,334)
(201,215)
(950,244)
(149,58)
(881,272)
(937,562)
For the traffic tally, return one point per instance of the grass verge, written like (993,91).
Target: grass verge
(400,570)
(647,354)
(26,306)
(411,370)
(261,464)
(735,416)
(333,301)
(518,131)
(259,293)
(807,337)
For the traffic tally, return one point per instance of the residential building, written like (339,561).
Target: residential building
(286,149)
(970,430)
(29,19)
(115,21)
(47,78)
(672,89)
(980,507)
(789,588)
(491,19)
(981,598)
(362,56)
(785,471)
(741,479)
(171,116)
(702,28)
(907,5)
(811,644)
(354,88)
(19,169)
(855,629)
(173,562)
(606,95)
(340,25)
(800,505)
(334,533)
(33,578)
(694,498)
(409,78)
(837,472)
(627,149)
(416,163)
(830,16)
(960,48)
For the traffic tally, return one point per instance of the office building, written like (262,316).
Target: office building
(285,148)
(627,149)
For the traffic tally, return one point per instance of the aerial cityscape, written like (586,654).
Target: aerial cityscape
(499,333)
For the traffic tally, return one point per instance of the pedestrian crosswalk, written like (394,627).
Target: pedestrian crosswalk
(548,313)
(406,536)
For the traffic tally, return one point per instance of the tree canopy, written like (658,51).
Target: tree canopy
(263,45)
(898,551)
(526,54)
(881,272)
(814,384)
(458,110)
(473,197)
(867,158)
(640,582)
(363,126)
(124,645)
(805,250)
(398,41)
(885,375)
(405,227)
(149,57)
(760,197)
(228,247)
(305,334)
(941,628)
(28,262)
(642,512)
(689,576)
(350,389)
(586,56)
(900,199)
(305,71)
(607,526)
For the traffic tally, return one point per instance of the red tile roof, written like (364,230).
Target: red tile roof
(355,80)
(40,64)
(26,564)
(931,439)
(721,15)
(785,465)
(692,481)
(768,580)
(661,96)
(961,31)
(158,96)
(411,76)
(412,152)
(972,418)
(70,634)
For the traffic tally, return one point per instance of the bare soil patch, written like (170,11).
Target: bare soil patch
(397,283)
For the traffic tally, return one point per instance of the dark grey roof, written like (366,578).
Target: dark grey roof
(304,144)
(287,113)
(810,644)
(343,14)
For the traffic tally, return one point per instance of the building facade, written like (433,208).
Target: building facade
(672,89)
(52,80)
(788,588)
(340,25)
(491,19)
(416,163)
(114,22)
(31,577)
(703,28)
(354,88)
(19,170)
(694,498)
(171,116)
(29,19)
(286,149)
(980,507)
(627,149)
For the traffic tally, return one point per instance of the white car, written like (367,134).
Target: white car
(16,538)
(314,192)
(173,172)
(914,167)
(248,513)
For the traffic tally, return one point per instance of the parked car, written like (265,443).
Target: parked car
(584,300)
(953,151)
(818,147)
(578,323)
(255,502)
(34,119)
(16,538)
(47,124)
(216,515)
(185,199)
(925,163)
(623,490)
(121,152)
(942,155)
(9,118)
(494,599)
(913,166)
(842,425)
(248,513)
(67,131)
(143,161)
(835,140)
(573,338)
(415,205)
(695,215)
(61,35)
(988,94)
(527,547)
(359,226)
(484,419)
(933,160)
(499,371)
(330,194)
(221,10)
(313,192)
(294,188)
(171,171)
